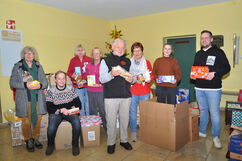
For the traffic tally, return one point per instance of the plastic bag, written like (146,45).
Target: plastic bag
(10,115)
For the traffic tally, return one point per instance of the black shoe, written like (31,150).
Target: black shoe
(49,149)
(111,149)
(126,146)
(38,144)
(75,150)
(30,145)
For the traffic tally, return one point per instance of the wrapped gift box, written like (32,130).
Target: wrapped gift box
(237,118)
(200,72)
(165,78)
(182,95)
(230,107)
(90,130)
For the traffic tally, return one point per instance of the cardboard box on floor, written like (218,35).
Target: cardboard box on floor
(63,139)
(193,127)
(43,128)
(164,125)
(91,135)
(16,133)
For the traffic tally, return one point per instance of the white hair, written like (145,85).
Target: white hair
(120,40)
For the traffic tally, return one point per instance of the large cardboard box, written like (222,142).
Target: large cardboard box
(164,125)
(43,128)
(16,133)
(91,135)
(193,127)
(63,139)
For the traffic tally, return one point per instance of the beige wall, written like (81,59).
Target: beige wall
(221,19)
(54,33)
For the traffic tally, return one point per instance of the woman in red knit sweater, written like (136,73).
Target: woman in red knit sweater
(142,72)
(167,74)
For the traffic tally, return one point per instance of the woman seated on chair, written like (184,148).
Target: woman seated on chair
(60,99)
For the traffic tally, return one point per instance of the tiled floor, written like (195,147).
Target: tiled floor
(201,150)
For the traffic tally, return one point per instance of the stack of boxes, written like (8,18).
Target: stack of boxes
(235,147)
(193,127)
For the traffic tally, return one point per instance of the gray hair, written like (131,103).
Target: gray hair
(120,40)
(27,49)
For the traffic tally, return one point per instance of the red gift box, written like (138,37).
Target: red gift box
(200,72)
(10,24)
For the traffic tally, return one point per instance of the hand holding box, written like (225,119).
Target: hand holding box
(200,72)
(123,73)
(165,78)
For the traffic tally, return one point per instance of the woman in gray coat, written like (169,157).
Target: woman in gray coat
(28,78)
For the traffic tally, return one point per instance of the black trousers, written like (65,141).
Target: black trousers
(166,94)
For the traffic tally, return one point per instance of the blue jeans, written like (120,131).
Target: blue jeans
(133,110)
(54,122)
(82,93)
(209,100)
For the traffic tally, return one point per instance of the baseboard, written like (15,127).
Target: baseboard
(4,125)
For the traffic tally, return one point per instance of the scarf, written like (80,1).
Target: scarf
(140,67)
(33,93)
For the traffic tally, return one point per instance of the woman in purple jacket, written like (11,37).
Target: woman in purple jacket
(94,86)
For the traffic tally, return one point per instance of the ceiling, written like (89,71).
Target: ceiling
(119,9)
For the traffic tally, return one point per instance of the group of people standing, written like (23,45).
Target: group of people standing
(112,95)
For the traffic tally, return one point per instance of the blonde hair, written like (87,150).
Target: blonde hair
(27,49)
(98,48)
(59,72)
(80,47)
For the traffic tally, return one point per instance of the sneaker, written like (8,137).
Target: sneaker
(202,135)
(37,144)
(49,149)
(217,142)
(30,145)
(75,150)
(133,136)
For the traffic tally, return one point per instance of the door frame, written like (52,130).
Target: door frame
(177,37)
(165,39)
